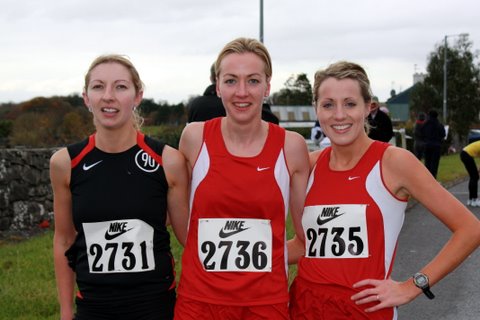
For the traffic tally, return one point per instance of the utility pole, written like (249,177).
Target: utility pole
(445,80)
(261,21)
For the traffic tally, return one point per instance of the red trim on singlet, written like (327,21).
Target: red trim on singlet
(89,147)
(147,149)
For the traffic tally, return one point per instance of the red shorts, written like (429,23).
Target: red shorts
(189,309)
(312,301)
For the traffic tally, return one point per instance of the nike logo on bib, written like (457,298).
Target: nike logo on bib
(116,230)
(259,169)
(88,167)
(231,228)
(328,214)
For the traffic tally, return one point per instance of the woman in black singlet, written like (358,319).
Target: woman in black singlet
(113,195)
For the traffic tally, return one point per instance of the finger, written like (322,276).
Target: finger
(375,308)
(369,299)
(366,282)
(364,293)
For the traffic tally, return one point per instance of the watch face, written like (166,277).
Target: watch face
(421,280)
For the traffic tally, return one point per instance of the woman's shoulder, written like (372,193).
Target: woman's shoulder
(59,156)
(295,142)
(398,160)
(60,162)
(391,152)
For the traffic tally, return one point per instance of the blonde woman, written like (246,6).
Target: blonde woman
(246,173)
(113,195)
(354,211)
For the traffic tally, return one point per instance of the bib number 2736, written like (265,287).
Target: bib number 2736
(235,244)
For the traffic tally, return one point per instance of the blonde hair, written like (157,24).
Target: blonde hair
(344,70)
(137,82)
(245,45)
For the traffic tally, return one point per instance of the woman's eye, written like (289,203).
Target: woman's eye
(327,105)
(254,81)
(122,87)
(230,81)
(96,86)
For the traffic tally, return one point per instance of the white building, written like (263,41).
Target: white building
(295,116)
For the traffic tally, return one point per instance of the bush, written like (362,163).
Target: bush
(305,132)
(168,134)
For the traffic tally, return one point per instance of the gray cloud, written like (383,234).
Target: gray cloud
(47,45)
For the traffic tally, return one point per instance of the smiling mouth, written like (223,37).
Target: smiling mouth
(242,105)
(109,110)
(341,127)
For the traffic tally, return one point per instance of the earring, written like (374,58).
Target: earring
(89,109)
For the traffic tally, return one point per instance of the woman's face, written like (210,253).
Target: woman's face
(242,85)
(111,95)
(341,110)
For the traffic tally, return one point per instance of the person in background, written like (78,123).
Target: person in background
(316,133)
(209,105)
(418,138)
(381,128)
(434,134)
(468,155)
(113,195)
(245,175)
(268,115)
(354,211)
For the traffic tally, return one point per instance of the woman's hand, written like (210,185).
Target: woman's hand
(387,293)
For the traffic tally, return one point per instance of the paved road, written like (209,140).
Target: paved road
(457,295)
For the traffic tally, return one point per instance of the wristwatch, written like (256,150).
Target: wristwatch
(421,281)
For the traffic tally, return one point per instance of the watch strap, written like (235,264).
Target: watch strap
(428,293)
(425,287)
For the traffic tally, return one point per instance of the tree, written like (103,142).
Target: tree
(32,130)
(463,79)
(76,125)
(297,92)
(5,128)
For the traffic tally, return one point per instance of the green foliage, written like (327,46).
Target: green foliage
(162,113)
(463,83)
(32,130)
(6,110)
(76,125)
(167,134)
(305,132)
(5,128)
(297,92)
(58,121)
(47,122)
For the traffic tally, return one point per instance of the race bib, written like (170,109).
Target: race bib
(235,244)
(119,246)
(336,231)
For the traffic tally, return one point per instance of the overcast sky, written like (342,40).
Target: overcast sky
(46,46)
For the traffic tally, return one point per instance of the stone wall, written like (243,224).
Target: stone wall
(26,200)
